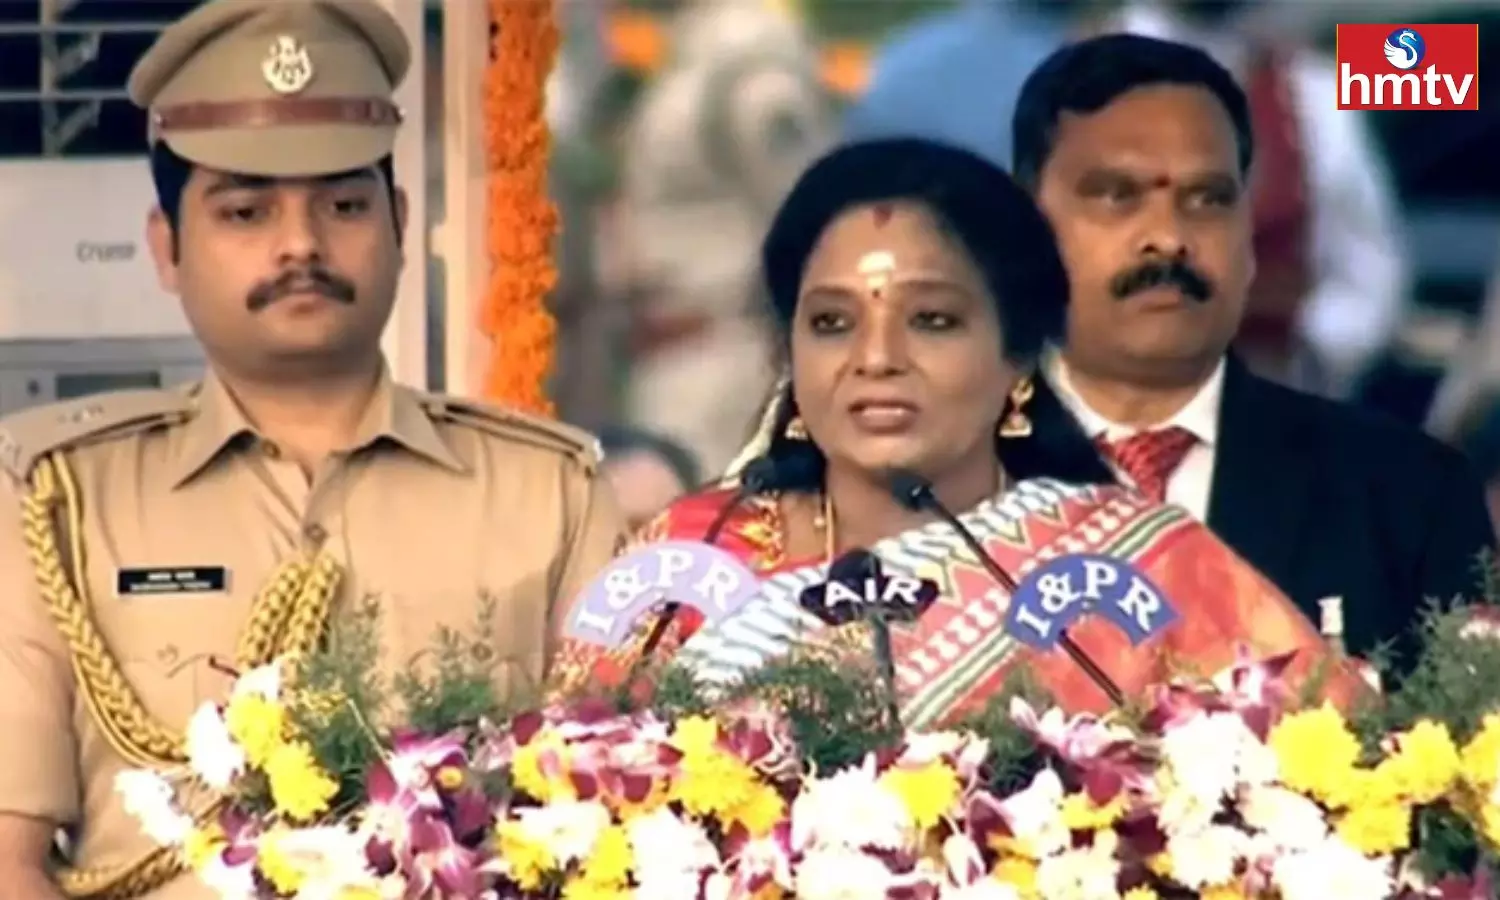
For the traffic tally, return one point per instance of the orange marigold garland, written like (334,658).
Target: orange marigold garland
(521,217)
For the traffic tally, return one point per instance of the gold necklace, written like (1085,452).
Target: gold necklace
(826,524)
(830,529)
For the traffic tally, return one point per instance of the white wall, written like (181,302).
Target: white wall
(405,341)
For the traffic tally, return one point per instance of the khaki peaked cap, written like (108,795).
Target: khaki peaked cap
(276,87)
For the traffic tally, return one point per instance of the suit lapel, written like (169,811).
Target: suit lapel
(1260,483)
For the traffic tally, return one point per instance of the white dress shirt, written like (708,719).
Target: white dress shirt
(1190,485)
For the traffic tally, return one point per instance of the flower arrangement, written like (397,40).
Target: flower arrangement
(794,787)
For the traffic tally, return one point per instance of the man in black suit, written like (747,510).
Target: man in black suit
(1139,150)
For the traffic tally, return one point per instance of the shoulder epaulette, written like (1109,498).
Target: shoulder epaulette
(30,434)
(514,425)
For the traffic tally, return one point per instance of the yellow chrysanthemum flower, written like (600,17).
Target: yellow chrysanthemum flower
(1487,820)
(1375,829)
(258,725)
(202,845)
(526,769)
(1140,893)
(1018,872)
(695,734)
(1316,752)
(527,861)
(1427,764)
(713,783)
(277,866)
(1081,813)
(610,861)
(760,812)
(300,789)
(1223,892)
(1362,786)
(928,793)
(1480,759)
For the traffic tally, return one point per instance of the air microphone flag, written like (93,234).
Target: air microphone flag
(633,587)
(858,587)
(1057,594)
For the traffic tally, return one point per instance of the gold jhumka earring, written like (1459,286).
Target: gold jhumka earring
(1016,423)
(795,430)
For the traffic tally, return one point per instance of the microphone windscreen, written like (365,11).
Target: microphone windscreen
(854,567)
(759,475)
(910,489)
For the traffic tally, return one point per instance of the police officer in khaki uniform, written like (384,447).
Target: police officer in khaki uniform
(149,538)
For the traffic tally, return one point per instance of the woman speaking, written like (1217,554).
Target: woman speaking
(916,287)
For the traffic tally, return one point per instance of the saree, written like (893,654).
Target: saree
(959,653)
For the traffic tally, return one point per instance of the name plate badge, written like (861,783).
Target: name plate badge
(174,580)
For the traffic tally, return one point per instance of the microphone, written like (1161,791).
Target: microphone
(759,475)
(857,587)
(916,494)
(857,584)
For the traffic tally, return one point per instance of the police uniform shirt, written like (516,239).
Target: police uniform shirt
(436,504)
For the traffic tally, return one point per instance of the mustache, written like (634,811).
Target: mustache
(1175,273)
(304,281)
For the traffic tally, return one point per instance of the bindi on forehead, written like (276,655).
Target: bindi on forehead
(1150,179)
(882,213)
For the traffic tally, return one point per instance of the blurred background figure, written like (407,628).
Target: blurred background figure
(713,143)
(1466,410)
(923,81)
(646,470)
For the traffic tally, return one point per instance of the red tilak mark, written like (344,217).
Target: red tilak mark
(882,213)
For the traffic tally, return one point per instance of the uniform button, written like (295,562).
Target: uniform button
(315,533)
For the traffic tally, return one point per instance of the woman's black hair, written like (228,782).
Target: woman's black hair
(1005,235)
(1086,76)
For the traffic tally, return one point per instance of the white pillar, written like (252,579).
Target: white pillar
(460,239)
(405,339)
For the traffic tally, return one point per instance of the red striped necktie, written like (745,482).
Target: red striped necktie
(1150,457)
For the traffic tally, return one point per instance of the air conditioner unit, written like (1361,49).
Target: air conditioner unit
(80,307)
(73,257)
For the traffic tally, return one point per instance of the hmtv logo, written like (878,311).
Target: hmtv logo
(1408,66)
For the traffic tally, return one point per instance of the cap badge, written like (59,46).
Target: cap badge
(287,67)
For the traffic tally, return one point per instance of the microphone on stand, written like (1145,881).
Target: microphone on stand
(857,588)
(758,476)
(916,494)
